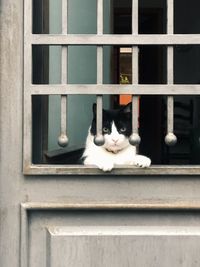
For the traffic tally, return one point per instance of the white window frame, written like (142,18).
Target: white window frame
(134,40)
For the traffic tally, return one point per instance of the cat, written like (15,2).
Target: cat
(117,150)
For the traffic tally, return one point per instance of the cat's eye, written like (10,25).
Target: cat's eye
(105,130)
(123,129)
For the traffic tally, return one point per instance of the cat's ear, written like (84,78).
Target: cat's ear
(94,108)
(127,108)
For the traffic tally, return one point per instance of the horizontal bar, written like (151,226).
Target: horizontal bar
(146,205)
(125,170)
(114,39)
(115,89)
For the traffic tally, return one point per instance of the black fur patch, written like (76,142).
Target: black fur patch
(121,118)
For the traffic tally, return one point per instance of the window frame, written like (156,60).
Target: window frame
(170,89)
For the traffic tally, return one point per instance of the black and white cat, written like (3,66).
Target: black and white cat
(116,149)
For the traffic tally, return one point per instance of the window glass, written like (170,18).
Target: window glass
(47,16)
(122,16)
(186,64)
(46,64)
(152,64)
(82,64)
(82,16)
(152,16)
(187,16)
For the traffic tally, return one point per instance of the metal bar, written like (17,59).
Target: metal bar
(113,89)
(170,65)
(99,17)
(63,139)
(115,39)
(64,16)
(170,16)
(170,115)
(170,138)
(99,139)
(135,14)
(135,138)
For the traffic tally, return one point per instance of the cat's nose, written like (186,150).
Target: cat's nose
(115,140)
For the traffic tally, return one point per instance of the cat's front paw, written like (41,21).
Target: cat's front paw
(142,161)
(105,166)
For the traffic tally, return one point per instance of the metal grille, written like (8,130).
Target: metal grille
(99,89)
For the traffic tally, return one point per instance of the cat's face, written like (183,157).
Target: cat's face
(116,127)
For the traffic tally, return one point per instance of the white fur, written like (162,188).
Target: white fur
(115,151)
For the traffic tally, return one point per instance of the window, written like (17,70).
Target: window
(111,52)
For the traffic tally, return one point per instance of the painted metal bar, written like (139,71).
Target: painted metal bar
(135,138)
(113,89)
(170,138)
(170,115)
(115,39)
(135,15)
(99,17)
(99,139)
(63,139)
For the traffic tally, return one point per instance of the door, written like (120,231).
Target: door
(55,213)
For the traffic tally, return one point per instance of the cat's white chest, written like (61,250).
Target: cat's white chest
(106,160)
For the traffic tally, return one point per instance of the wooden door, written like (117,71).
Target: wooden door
(59,218)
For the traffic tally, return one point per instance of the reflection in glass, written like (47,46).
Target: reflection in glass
(187,16)
(186,64)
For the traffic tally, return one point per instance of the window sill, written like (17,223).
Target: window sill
(125,170)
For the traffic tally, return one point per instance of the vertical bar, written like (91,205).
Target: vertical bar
(27,150)
(99,139)
(135,138)
(170,16)
(170,114)
(135,99)
(135,15)
(63,139)
(170,138)
(99,16)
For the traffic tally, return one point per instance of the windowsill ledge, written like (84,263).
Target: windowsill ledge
(125,170)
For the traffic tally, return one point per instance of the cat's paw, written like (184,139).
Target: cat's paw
(105,166)
(141,161)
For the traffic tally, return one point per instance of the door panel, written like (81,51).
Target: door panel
(123,246)
(113,238)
